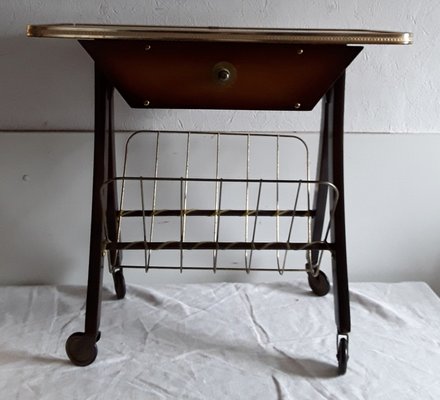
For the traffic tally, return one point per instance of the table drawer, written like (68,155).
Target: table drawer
(220,75)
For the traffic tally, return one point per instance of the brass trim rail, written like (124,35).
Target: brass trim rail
(137,32)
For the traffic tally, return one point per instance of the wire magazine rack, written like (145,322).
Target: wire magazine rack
(225,201)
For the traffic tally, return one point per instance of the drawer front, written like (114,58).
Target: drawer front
(220,75)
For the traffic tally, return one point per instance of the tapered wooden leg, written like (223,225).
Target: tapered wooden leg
(81,347)
(112,196)
(331,168)
(318,281)
(321,191)
(112,209)
(336,176)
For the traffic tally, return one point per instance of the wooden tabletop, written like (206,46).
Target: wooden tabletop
(137,32)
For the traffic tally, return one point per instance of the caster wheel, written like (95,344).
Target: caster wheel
(342,356)
(119,281)
(319,284)
(81,349)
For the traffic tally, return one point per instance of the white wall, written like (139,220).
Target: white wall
(390,89)
(392,170)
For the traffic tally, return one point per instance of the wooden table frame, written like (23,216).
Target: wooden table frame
(81,347)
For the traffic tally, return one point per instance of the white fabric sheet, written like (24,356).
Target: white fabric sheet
(222,341)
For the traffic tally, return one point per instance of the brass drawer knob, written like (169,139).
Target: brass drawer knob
(224,73)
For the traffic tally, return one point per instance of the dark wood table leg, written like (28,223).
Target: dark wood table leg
(339,256)
(112,209)
(331,168)
(319,283)
(336,176)
(81,347)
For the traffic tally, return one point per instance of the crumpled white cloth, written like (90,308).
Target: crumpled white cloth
(222,341)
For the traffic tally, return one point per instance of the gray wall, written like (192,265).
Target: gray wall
(46,104)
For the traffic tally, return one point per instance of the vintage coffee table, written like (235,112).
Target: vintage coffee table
(219,68)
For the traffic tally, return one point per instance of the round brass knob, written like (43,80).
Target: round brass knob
(223,75)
